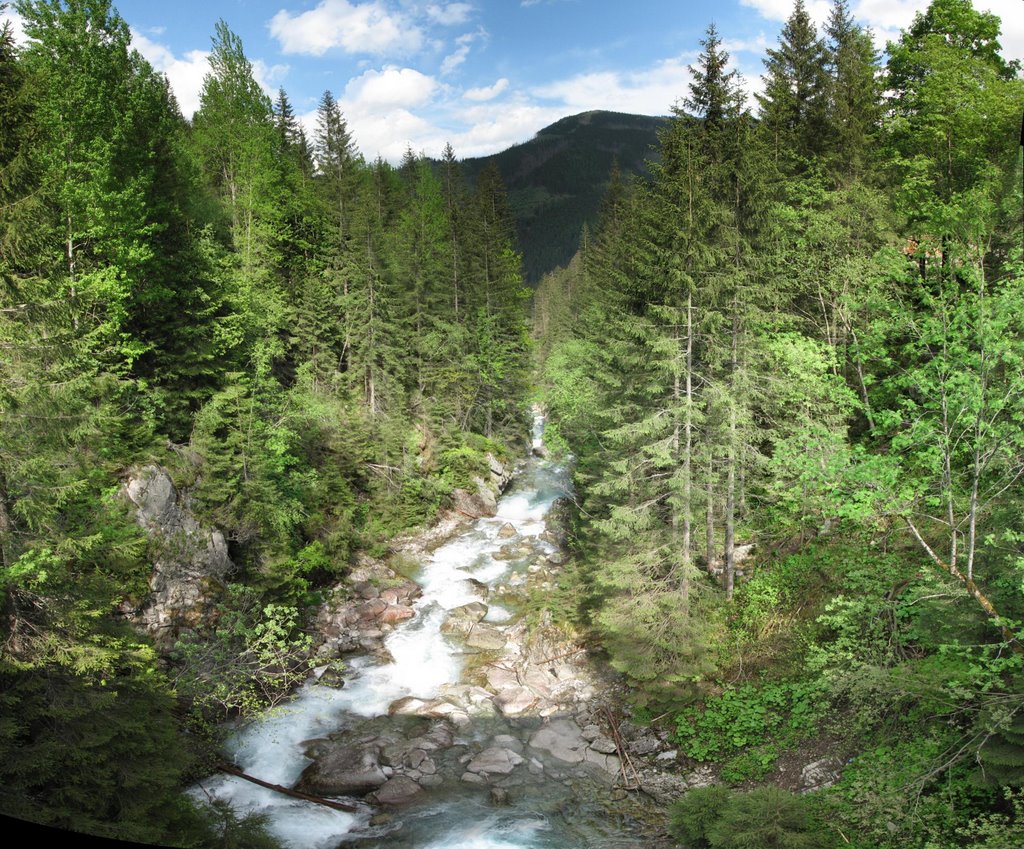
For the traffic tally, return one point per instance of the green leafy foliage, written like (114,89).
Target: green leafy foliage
(741,718)
(252,659)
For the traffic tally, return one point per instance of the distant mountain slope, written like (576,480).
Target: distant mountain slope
(557,179)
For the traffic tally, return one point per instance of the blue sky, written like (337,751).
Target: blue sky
(482,74)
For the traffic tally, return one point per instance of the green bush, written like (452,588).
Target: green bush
(694,813)
(765,818)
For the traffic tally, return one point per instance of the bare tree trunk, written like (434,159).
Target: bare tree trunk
(709,524)
(972,588)
(687,452)
(730,481)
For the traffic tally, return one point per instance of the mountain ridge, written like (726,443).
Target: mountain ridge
(557,179)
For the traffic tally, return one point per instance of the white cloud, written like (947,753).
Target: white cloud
(390,87)
(450,14)
(649,91)
(17,23)
(464,42)
(780,10)
(756,45)
(353,27)
(269,77)
(485,93)
(185,74)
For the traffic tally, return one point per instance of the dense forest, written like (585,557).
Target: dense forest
(319,348)
(790,368)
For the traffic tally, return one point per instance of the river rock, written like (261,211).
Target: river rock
(462,619)
(820,774)
(495,760)
(469,698)
(485,639)
(507,531)
(329,676)
(398,790)
(507,741)
(648,744)
(604,745)
(406,706)
(366,590)
(513,551)
(372,608)
(476,504)
(343,770)
(663,787)
(561,739)
(396,613)
(609,763)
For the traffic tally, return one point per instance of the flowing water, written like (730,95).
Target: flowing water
(550,811)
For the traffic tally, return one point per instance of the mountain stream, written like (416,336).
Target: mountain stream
(484,778)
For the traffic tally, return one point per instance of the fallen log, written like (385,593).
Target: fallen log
(287,791)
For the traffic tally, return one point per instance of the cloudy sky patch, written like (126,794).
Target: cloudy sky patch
(483,74)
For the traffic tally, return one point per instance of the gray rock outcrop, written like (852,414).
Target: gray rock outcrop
(483,500)
(190,562)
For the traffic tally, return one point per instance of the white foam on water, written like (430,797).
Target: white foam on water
(492,833)
(497,613)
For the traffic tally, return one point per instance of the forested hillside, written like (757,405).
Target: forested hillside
(556,179)
(318,348)
(791,368)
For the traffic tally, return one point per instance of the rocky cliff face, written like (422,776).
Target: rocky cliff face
(483,502)
(190,562)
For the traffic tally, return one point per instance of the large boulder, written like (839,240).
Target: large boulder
(475,504)
(190,561)
(482,499)
(495,760)
(484,638)
(397,790)
(562,739)
(820,774)
(461,620)
(343,770)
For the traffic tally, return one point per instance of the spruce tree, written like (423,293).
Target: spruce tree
(854,94)
(794,105)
